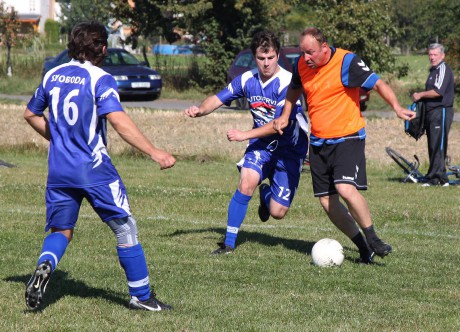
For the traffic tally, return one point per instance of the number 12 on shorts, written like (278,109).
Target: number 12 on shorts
(284,193)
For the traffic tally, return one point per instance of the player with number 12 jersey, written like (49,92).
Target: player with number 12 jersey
(266,101)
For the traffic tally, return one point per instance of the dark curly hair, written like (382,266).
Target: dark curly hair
(87,41)
(265,39)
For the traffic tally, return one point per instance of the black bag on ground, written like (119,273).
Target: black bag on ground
(416,126)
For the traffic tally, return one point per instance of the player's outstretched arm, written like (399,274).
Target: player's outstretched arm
(128,130)
(39,123)
(207,106)
(239,135)
(389,96)
(292,95)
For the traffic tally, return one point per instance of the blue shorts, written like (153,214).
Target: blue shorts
(283,173)
(109,201)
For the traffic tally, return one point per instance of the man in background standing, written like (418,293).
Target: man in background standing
(439,100)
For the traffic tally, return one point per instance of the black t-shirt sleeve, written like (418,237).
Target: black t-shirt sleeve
(443,80)
(355,73)
(296,83)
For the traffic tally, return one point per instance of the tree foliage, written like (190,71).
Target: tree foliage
(444,27)
(362,27)
(226,26)
(407,19)
(9,29)
(76,11)
(423,22)
(52,30)
(370,28)
(301,16)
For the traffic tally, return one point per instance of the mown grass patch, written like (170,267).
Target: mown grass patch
(269,283)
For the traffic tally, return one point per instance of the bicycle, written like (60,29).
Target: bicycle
(412,172)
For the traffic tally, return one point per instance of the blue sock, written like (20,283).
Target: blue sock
(236,212)
(54,246)
(267,196)
(132,260)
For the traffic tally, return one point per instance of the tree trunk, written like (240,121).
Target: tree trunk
(8,61)
(144,53)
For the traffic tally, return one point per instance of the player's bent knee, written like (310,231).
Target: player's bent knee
(346,191)
(125,230)
(68,233)
(279,213)
(324,201)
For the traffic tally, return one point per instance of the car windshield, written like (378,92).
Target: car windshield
(246,60)
(291,58)
(119,58)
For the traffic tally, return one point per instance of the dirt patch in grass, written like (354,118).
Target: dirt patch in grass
(205,138)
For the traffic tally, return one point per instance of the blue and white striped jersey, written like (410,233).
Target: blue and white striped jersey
(266,102)
(78,96)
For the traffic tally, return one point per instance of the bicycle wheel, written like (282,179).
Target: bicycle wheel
(402,162)
(453,170)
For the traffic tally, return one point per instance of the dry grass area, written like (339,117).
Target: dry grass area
(205,138)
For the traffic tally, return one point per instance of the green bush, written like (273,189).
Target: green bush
(52,31)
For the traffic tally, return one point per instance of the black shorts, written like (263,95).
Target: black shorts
(338,163)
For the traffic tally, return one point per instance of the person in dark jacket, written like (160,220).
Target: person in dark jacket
(439,100)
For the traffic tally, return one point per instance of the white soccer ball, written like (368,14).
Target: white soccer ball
(327,252)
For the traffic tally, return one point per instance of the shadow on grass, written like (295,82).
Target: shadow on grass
(60,285)
(300,246)
(393,179)
(267,240)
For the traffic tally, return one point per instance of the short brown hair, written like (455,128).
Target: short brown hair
(315,33)
(87,41)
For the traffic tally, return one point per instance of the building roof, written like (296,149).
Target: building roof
(29,17)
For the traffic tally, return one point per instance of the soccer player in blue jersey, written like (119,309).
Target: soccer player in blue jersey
(268,154)
(81,97)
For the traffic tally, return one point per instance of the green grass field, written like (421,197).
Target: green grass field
(268,284)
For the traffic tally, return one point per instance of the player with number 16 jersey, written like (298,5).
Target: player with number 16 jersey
(78,96)
(81,98)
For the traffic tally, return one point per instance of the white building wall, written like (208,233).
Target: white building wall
(45,8)
(19,6)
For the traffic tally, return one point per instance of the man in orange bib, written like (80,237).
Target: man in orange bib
(331,79)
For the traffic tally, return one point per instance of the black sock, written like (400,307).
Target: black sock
(358,239)
(370,234)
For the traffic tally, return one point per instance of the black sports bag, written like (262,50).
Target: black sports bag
(416,126)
